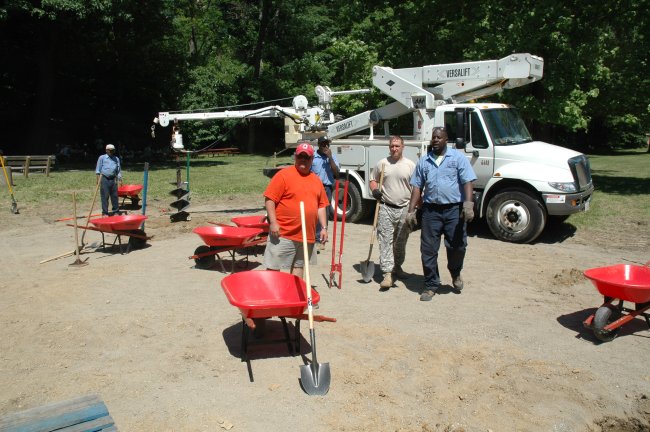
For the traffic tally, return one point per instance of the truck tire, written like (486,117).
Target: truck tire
(357,207)
(515,215)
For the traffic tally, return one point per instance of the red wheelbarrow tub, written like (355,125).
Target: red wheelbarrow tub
(266,293)
(225,236)
(119,223)
(129,190)
(622,281)
(251,222)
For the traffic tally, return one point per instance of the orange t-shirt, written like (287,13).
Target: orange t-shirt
(286,189)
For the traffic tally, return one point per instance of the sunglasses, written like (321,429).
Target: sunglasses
(303,156)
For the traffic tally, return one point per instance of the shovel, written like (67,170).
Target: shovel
(90,213)
(14,204)
(338,267)
(334,268)
(315,377)
(78,262)
(367,267)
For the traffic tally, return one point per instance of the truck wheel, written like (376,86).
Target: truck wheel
(516,216)
(357,208)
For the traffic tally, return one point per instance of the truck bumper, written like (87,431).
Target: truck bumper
(566,204)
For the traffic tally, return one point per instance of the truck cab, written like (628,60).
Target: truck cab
(521,182)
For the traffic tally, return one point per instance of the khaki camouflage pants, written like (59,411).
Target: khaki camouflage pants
(392,235)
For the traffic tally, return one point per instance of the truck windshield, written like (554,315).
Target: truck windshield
(506,126)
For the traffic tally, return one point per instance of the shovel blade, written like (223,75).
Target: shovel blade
(367,270)
(315,378)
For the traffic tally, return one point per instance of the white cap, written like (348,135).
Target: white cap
(110,147)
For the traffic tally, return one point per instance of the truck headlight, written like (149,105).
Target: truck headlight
(568,187)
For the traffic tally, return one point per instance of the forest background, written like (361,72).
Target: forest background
(86,72)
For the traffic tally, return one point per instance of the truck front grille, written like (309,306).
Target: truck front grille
(581,171)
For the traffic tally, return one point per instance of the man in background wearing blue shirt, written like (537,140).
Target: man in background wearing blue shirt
(443,179)
(326,167)
(109,175)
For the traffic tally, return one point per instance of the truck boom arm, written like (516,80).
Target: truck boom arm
(458,82)
(424,88)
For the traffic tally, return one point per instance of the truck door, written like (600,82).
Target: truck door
(477,146)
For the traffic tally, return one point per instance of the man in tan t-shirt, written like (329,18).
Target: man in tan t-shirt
(395,193)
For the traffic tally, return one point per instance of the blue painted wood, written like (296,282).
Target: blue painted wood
(89,410)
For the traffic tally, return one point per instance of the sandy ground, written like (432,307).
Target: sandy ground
(157,339)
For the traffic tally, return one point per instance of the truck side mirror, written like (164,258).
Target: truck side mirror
(460,143)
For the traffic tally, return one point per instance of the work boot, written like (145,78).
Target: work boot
(427,294)
(457,282)
(398,273)
(387,282)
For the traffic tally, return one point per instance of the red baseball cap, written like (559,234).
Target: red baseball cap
(305,148)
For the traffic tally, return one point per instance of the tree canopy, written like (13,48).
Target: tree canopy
(77,71)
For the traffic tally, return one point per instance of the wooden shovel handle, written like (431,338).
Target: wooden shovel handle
(374,222)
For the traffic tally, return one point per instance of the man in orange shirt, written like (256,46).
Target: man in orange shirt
(282,201)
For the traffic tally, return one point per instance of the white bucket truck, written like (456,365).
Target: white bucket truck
(521,182)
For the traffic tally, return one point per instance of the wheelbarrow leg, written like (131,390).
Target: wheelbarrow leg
(244,339)
(223,269)
(297,335)
(641,308)
(286,334)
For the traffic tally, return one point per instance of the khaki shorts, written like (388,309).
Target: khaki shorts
(282,253)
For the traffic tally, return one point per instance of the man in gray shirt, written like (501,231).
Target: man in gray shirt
(392,233)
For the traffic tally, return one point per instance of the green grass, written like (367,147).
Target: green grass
(621,199)
(210,177)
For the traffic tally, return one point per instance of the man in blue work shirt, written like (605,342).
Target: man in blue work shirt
(109,175)
(443,179)
(326,167)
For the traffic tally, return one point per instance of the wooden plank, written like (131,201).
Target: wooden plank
(99,424)
(30,163)
(55,416)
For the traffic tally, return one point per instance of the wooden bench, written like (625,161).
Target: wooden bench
(220,151)
(30,163)
(86,413)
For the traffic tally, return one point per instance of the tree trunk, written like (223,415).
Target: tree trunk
(264,18)
(250,146)
(37,140)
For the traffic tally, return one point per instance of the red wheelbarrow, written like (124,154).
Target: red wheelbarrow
(222,238)
(129,191)
(267,294)
(620,282)
(252,222)
(123,225)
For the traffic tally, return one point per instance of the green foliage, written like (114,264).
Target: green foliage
(100,68)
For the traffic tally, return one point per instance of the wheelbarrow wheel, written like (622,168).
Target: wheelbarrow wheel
(604,316)
(135,242)
(204,262)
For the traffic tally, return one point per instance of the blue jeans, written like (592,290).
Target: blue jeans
(328,192)
(109,189)
(436,221)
